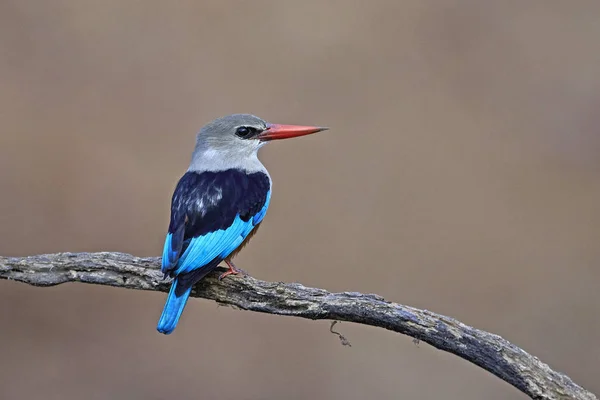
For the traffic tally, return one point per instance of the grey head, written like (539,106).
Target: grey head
(229,142)
(233,141)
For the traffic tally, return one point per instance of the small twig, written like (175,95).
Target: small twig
(486,350)
(345,342)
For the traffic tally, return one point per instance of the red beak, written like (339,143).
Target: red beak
(277,131)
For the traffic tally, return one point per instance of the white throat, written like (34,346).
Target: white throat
(211,159)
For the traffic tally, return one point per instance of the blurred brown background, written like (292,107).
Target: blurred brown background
(460,175)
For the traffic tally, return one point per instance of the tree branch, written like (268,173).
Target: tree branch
(488,351)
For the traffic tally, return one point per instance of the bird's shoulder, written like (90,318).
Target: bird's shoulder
(220,186)
(210,200)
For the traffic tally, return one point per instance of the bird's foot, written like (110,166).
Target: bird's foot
(233,270)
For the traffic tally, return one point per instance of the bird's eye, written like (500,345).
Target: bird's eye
(245,132)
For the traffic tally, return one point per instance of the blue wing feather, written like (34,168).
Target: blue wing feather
(204,249)
(174,242)
(170,255)
(261,214)
(167,252)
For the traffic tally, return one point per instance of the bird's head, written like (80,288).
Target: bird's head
(239,136)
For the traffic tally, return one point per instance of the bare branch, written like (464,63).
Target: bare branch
(490,352)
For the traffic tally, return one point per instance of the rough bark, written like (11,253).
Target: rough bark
(486,350)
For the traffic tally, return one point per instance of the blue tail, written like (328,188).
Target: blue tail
(173,309)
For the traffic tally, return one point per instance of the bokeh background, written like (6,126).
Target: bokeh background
(460,175)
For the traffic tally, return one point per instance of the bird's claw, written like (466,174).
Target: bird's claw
(233,270)
(241,271)
(227,273)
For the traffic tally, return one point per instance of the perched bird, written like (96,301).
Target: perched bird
(218,204)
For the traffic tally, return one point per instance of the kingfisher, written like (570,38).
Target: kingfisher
(218,204)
